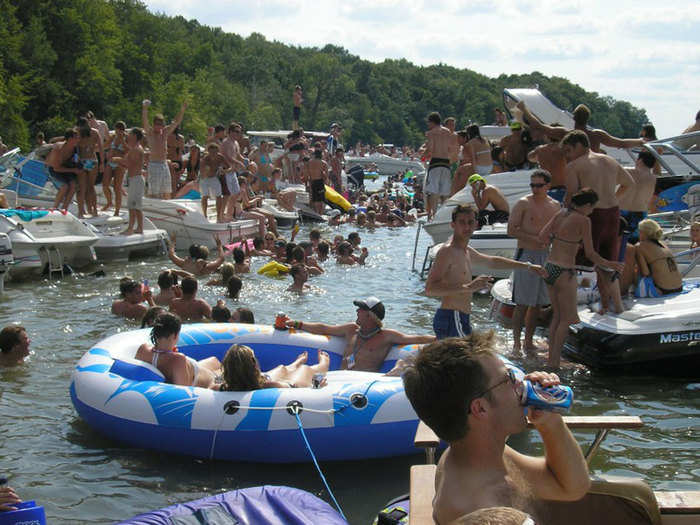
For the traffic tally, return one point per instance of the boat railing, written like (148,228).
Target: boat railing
(669,146)
(694,260)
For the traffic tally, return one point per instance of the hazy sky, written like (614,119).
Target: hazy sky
(634,51)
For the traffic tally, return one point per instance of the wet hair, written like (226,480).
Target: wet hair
(296,269)
(443,380)
(298,254)
(576,137)
(324,248)
(245,315)
(220,314)
(189,286)
(582,114)
(649,131)
(473,131)
(647,157)
(10,336)
(651,229)
(127,285)
(138,133)
(434,117)
(238,255)
(315,235)
(197,251)
(289,248)
(584,196)
(120,124)
(353,236)
(463,208)
(234,286)
(258,242)
(165,325)
(241,370)
(166,279)
(151,314)
(227,271)
(69,133)
(544,174)
(344,248)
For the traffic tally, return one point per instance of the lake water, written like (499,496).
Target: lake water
(50,455)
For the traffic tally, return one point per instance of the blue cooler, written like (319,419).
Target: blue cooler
(27,513)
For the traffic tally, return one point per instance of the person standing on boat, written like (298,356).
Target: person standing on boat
(14,345)
(367,341)
(231,150)
(64,168)
(297,101)
(159,179)
(605,176)
(530,215)
(634,204)
(209,184)
(133,162)
(89,146)
(450,276)
(454,146)
(317,170)
(471,400)
(596,137)
(551,158)
(438,180)
(485,194)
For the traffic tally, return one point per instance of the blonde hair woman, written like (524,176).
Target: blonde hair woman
(655,259)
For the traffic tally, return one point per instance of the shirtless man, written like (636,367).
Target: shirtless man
(300,274)
(438,146)
(209,185)
(485,194)
(175,144)
(454,145)
(231,150)
(317,170)
(133,295)
(196,263)
(367,342)
(514,149)
(159,180)
(596,137)
(63,167)
(530,215)
(603,174)
(14,345)
(133,162)
(466,395)
(450,277)
(189,307)
(551,158)
(297,101)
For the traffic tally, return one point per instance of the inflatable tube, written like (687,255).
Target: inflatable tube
(357,415)
(230,247)
(336,200)
(268,505)
(273,269)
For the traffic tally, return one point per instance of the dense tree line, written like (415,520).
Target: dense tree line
(59,58)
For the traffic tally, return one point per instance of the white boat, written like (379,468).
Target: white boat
(385,164)
(113,245)
(6,259)
(45,240)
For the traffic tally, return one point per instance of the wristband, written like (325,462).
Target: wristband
(298,325)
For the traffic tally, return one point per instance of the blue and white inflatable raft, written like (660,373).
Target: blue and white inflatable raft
(358,415)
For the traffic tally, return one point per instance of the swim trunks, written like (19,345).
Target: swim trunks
(529,288)
(492,217)
(134,193)
(557,193)
(605,231)
(295,113)
(232,183)
(159,180)
(451,323)
(61,178)
(318,190)
(438,180)
(210,187)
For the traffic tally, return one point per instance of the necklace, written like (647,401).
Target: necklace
(369,334)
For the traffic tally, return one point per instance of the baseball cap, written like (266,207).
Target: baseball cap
(516,125)
(475,178)
(372,304)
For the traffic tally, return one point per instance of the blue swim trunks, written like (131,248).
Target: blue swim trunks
(451,323)
(558,193)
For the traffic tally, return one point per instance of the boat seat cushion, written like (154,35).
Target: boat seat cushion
(136,370)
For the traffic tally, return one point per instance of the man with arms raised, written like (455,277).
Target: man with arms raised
(368,342)
(529,217)
(465,393)
(159,180)
(438,145)
(603,174)
(450,277)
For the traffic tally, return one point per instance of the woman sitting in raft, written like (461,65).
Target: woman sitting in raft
(177,368)
(242,371)
(567,230)
(654,258)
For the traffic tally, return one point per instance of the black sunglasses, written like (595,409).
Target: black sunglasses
(510,376)
(537,184)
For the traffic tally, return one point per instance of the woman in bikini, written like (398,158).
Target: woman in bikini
(114,172)
(655,259)
(247,207)
(242,371)
(478,151)
(177,368)
(567,230)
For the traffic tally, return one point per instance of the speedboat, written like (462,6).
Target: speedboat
(654,334)
(46,240)
(114,245)
(6,258)
(385,164)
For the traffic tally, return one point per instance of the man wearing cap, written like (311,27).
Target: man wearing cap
(367,342)
(485,194)
(514,149)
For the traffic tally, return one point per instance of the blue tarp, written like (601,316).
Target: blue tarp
(267,505)
(25,215)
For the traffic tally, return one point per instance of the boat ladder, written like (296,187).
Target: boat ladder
(54,260)
(427,261)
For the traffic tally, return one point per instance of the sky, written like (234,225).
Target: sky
(644,52)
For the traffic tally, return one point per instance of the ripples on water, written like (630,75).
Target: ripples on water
(82,477)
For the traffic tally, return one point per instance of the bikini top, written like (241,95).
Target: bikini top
(118,147)
(195,365)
